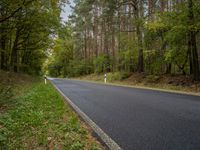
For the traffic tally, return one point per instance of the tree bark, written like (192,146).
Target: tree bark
(14,59)
(2,50)
(192,47)
(139,37)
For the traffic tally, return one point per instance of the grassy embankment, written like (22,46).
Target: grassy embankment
(163,82)
(34,116)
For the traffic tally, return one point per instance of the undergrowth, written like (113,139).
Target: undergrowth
(40,119)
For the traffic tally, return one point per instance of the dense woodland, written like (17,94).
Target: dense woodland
(150,36)
(27,31)
(154,37)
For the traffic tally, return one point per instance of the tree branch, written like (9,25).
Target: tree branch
(15,11)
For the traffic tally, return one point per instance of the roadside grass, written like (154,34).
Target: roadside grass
(13,85)
(163,82)
(40,119)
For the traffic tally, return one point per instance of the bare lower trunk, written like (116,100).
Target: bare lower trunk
(14,62)
(2,50)
(139,37)
(192,47)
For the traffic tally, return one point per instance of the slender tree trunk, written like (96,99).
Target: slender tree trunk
(139,37)
(190,54)
(162,5)
(192,47)
(2,50)
(140,50)
(85,45)
(95,31)
(113,49)
(119,41)
(169,68)
(14,56)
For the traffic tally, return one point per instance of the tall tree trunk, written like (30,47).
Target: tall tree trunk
(140,50)
(119,40)
(139,37)
(2,50)
(190,54)
(192,47)
(113,49)
(14,62)
(85,45)
(95,31)
(162,5)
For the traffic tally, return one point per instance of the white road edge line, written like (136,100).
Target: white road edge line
(112,145)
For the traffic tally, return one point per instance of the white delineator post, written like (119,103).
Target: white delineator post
(45,79)
(105,78)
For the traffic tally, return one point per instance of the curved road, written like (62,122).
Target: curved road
(138,119)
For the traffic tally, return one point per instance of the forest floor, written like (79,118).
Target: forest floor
(171,83)
(34,116)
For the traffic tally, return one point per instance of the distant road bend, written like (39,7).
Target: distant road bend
(138,119)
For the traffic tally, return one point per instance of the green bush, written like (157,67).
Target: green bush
(117,76)
(101,63)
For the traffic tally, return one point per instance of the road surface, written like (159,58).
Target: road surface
(138,119)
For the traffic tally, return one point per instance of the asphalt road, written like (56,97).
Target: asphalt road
(138,119)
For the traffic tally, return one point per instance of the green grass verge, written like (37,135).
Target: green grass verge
(40,119)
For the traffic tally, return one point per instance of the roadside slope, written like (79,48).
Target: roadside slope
(35,116)
(179,84)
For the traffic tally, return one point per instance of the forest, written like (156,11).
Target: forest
(113,74)
(27,31)
(150,36)
(154,37)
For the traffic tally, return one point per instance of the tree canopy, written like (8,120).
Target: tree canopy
(150,36)
(28,28)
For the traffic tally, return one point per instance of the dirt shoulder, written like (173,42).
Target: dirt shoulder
(170,83)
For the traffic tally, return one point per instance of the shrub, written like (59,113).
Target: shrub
(117,76)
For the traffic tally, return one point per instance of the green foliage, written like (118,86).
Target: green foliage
(166,39)
(117,76)
(61,55)
(153,61)
(78,68)
(107,36)
(101,63)
(27,33)
(40,119)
